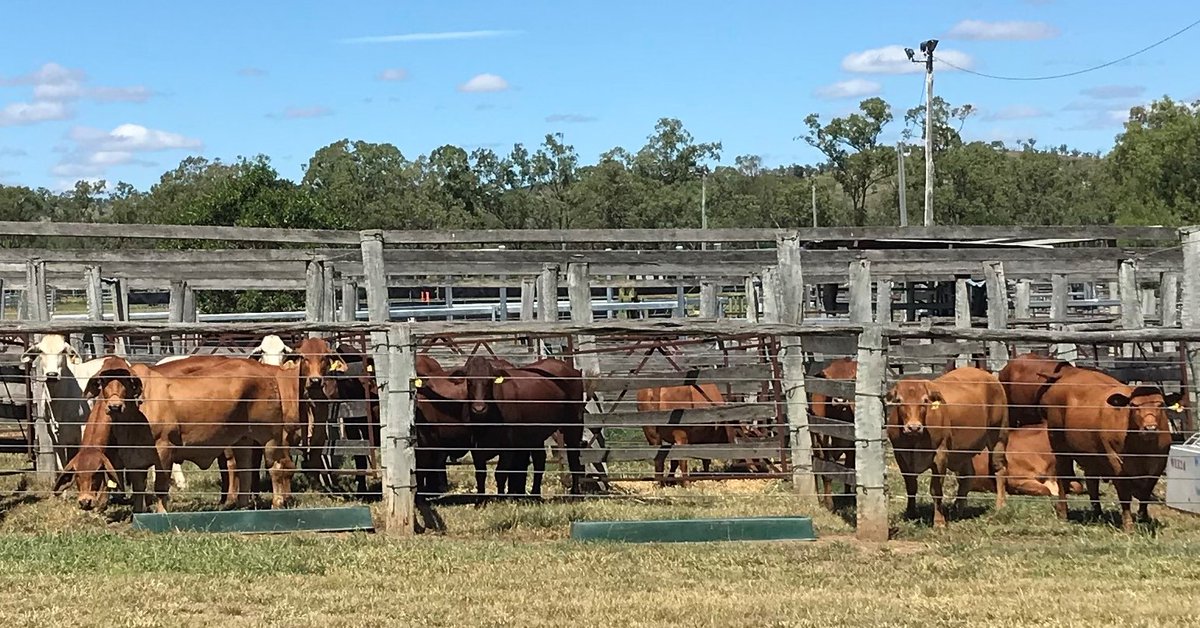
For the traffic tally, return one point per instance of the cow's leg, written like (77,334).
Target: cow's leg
(1144,492)
(240,475)
(1063,469)
(660,462)
(281,468)
(178,478)
(539,468)
(935,487)
(1125,496)
(480,464)
(572,438)
(910,491)
(137,483)
(162,479)
(999,468)
(1093,489)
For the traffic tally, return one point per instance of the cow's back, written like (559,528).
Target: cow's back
(974,412)
(1023,386)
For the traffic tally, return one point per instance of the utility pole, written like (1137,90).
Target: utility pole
(704,205)
(814,203)
(927,48)
(901,184)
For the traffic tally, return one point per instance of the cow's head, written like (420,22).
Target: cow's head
(481,375)
(114,386)
(909,403)
(91,471)
(1147,406)
(319,366)
(54,356)
(272,350)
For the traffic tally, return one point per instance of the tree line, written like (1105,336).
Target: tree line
(1151,176)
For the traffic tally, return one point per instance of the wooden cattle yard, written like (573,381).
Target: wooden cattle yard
(902,302)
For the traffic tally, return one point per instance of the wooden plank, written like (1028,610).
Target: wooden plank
(696,530)
(834,471)
(344,519)
(830,427)
(997,294)
(836,346)
(935,350)
(641,453)
(731,412)
(616,382)
(842,389)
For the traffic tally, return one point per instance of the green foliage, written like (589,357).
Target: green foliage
(1155,165)
(852,146)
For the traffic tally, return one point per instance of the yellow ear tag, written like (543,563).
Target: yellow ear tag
(933,405)
(337,366)
(417,382)
(1176,408)
(500,380)
(111,484)
(370,368)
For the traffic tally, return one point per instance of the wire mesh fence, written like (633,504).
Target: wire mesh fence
(252,419)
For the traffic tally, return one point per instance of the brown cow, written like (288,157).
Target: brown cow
(667,399)
(1023,387)
(1030,463)
(1112,430)
(442,431)
(940,424)
(516,409)
(831,448)
(320,367)
(196,410)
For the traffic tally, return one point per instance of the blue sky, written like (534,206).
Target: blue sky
(123,91)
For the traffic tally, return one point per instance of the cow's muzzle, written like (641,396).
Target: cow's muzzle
(116,406)
(86,503)
(478,408)
(914,428)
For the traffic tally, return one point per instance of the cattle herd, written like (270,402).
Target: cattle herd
(1021,430)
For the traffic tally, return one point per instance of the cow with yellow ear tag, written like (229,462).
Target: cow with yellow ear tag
(941,424)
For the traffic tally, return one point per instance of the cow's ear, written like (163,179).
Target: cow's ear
(92,390)
(935,397)
(1118,400)
(290,357)
(30,354)
(337,365)
(64,478)
(1173,401)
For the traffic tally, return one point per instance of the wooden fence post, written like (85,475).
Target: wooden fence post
(860,291)
(791,311)
(397,454)
(328,292)
(1021,299)
(95,304)
(528,297)
(1170,306)
(548,293)
(770,294)
(1058,312)
(45,460)
(1190,315)
(710,303)
(175,314)
(962,314)
(120,297)
(314,292)
(883,301)
(349,311)
(35,291)
(997,294)
(1131,302)
(870,462)
(752,300)
(374,276)
(503,299)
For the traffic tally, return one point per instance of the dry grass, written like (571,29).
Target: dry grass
(511,564)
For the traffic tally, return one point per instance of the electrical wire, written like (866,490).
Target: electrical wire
(1076,72)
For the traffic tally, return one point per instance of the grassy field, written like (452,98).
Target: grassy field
(512,565)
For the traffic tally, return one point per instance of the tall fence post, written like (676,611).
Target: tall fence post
(710,303)
(36,309)
(790,295)
(314,292)
(175,314)
(349,311)
(35,291)
(997,313)
(883,301)
(1131,302)
(120,299)
(1021,297)
(1169,297)
(1059,298)
(579,292)
(95,304)
(374,275)
(770,294)
(860,291)
(397,455)
(528,298)
(1190,315)
(962,314)
(328,292)
(547,293)
(752,300)
(870,461)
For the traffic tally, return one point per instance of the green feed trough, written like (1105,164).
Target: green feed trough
(259,521)
(696,530)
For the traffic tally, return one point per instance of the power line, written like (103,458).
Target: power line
(1077,72)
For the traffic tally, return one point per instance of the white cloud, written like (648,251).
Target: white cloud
(297,113)
(442,36)
(572,118)
(980,30)
(22,113)
(97,150)
(892,60)
(1017,112)
(393,74)
(852,88)
(55,83)
(484,83)
(1113,91)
